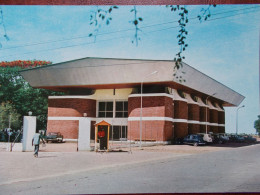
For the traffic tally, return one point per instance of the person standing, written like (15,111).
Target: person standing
(36,142)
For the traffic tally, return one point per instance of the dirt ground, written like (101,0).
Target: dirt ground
(72,147)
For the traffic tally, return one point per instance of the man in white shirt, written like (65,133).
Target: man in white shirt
(36,142)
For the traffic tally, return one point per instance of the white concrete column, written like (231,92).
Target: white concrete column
(29,129)
(84,134)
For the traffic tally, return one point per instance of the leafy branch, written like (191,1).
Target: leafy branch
(3,25)
(205,13)
(98,17)
(183,14)
(136,22)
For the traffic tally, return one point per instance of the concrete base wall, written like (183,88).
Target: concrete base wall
(29,129)
(84,134)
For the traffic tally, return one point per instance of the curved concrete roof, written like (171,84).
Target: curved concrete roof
(113,73)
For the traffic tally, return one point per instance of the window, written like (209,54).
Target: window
(105,109)
(181,93)
(121,109)
(195,98)
(118,133)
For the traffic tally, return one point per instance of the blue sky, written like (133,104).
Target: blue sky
(226,47)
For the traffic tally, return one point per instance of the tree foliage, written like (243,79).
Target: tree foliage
(17,93)
(257,125)
(9,116)
(104,15)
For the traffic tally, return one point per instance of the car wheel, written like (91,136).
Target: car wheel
(195,144)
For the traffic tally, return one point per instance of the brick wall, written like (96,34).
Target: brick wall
(71,107)
(180,109)
(221,117)
(69,129)
(194,112)
(160,106)
(153,106)
(180,130)
(151,130)
(202,114)
(213,116)
(193,128)
(180,112)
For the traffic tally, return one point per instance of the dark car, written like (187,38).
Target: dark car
(249,139)
(54,137)
(220,138)
(194,139)
(236,138)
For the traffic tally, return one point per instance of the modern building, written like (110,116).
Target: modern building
(137,97)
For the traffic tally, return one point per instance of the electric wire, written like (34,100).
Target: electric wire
(94,42)
(119,31)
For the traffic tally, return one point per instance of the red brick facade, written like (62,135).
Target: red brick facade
(180,112)
(72,107)
(69,107)
(153,107)
(194,116)
(162,117)
(160,106)
(68,128)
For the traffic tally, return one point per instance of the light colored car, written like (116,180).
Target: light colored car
(206,137)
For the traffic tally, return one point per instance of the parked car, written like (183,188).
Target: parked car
(249,139)
(194,139)
(206,137)
(236,138)
(220,138)
(54,137)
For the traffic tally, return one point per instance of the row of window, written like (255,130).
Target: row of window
(105,109)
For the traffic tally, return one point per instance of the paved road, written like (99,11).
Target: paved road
(233,170)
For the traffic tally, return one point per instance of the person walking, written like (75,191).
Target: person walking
(36,142)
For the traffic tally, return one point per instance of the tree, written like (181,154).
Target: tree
(19,95)
(257,125)
(9,116)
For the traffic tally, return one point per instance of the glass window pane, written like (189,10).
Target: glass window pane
(119,114)
(125,106)
(116,132)
(119,106)
(124,132)
(101,114)
(101,106)
(109,114)
(125,114)
(109,106)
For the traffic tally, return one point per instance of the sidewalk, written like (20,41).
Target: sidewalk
(23,166)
